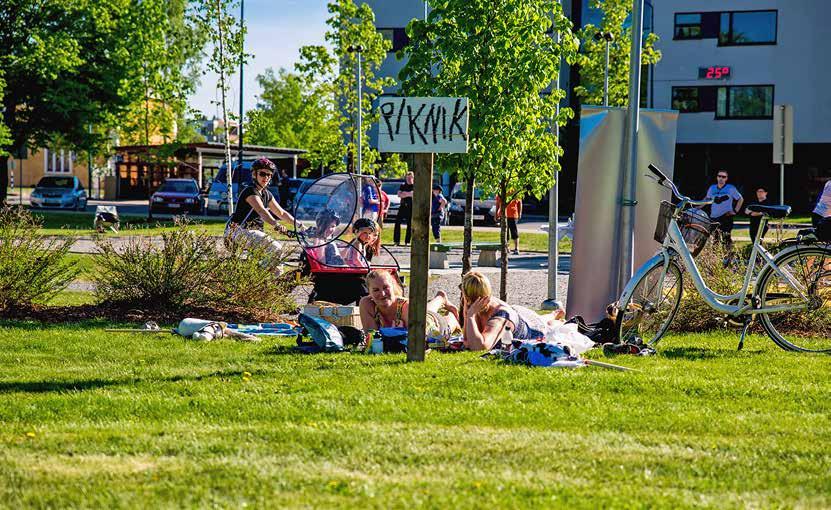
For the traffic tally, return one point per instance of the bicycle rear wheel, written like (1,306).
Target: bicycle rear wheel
(807,329)
(648,312)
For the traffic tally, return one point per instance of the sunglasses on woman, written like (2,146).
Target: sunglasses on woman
(264,174)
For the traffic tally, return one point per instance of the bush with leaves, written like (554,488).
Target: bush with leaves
(253,279)
(33,268)
(186,270)
(724,274)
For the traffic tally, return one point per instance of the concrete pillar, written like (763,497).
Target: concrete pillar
(199,164)
(294,166)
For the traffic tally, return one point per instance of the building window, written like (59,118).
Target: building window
(745,102)
(687,26)
(685,99)
(396,36)
(747,28)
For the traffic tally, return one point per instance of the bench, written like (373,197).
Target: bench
(487,254)
(438,254)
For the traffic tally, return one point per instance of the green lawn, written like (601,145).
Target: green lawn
(94,419)
(80,223)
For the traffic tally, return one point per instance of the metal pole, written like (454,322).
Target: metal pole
(606,78)
(89,164)
(630,182)
(358,157)
(552,303)
(241,85)
(782,161)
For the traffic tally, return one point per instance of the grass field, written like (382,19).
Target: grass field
(89,418)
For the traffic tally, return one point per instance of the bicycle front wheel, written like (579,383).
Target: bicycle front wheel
(649,310)
(803,321)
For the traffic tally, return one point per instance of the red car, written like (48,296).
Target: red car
(177,196)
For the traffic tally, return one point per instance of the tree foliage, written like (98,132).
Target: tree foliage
(227,40)
(592,60)
(293,111)
(501,56)
(334,72)
(165,51)
(66,64)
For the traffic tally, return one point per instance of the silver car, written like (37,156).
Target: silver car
(59,193)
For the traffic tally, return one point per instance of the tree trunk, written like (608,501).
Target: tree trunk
(470,182)
(503,240)
(224,91)
(4,178)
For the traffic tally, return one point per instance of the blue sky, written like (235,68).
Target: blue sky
(276,31)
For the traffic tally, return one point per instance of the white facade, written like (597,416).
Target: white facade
(796,65)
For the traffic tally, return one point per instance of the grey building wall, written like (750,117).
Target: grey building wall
(796,65)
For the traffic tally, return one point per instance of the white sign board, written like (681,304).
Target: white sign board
(783,134)
(422,124)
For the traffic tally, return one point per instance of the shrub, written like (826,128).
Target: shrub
(147,274)
(187,270)
(33,267)
(254,280)
(694,313)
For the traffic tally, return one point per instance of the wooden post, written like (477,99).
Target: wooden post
(417,318)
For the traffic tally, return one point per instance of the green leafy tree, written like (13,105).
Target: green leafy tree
(166,49)
(592,60)
(501,56)
(66,64)
(227,38)
(293,111)
(5,135)
(350,26)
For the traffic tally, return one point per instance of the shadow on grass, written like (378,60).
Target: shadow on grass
(700,353)
(55,386)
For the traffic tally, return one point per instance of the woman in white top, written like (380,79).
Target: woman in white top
(823,208)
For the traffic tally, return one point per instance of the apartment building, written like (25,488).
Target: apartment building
(726,65)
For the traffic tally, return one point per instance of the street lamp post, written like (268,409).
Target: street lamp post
(240,150)
(359,148)
(608,37)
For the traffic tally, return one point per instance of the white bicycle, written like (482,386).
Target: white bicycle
(790,291)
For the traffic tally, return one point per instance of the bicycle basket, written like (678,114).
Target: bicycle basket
(696,228)
(664,217)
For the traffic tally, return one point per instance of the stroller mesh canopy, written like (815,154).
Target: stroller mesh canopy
(325,210)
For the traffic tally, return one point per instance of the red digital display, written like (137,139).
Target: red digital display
(714,72)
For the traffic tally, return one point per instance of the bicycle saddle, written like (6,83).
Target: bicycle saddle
(774,211)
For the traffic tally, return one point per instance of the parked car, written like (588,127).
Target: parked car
(177,196)
(484,206)
(296,188)
(391,189)
(59,193)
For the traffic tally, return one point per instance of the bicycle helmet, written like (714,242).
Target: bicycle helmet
(264,164)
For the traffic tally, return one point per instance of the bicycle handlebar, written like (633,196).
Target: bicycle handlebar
(662,178)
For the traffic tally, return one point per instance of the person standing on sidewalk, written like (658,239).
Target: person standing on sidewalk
(724,212)
(437,207)
(405,209)
(513,212)
(756,217)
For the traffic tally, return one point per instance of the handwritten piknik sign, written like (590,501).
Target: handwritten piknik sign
(423,124)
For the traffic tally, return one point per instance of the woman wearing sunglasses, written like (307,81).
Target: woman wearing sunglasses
(256,207)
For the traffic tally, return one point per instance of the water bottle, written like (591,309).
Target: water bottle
(507,339)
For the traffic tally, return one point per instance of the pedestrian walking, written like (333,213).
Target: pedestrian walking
(513,212)
(823,208)
(385,204)
(405,209)
(756,217)
(437,211)
(283,189)
(724,212)
(370,200)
